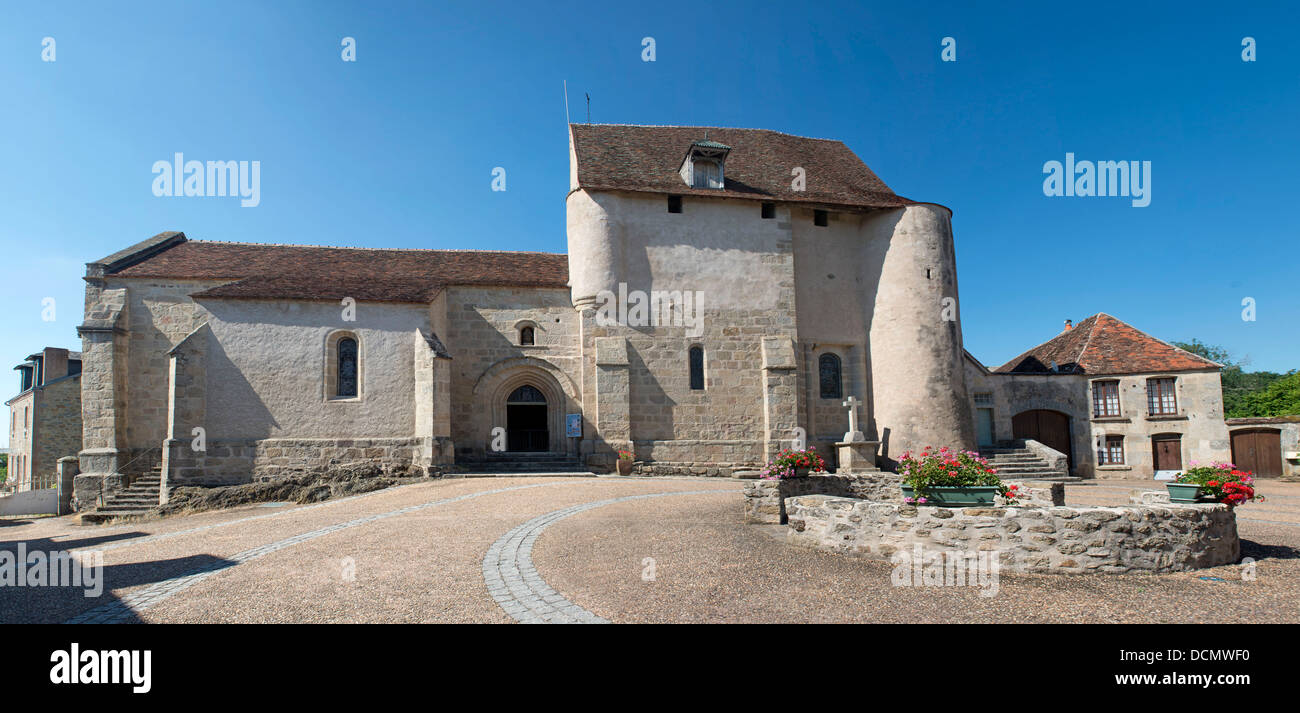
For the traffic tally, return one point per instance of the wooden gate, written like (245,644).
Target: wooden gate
(1258,450)
(1050,428)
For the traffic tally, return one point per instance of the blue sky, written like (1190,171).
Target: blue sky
(397,149)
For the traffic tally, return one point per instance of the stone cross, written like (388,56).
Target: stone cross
(851,403)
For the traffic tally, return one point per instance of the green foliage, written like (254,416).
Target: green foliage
(1279,398)
(1250,393)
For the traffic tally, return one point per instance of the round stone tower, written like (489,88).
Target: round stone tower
(918,385)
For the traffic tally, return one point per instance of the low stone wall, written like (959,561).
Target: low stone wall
(695,468)
(237,462)
(1075,540)
(765,499)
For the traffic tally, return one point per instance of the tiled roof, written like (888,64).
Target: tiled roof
(1101,345)
(647,159)
(309,272)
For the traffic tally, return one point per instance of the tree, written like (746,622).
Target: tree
(1243,391)
(1279,398)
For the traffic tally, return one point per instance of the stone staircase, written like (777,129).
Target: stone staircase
(141,496)
(1014,461)
(517,464)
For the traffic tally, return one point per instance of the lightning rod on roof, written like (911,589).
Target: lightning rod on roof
(566,102)
(588,107)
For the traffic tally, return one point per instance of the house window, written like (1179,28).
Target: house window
(828,367)
(984,399)
(526,336)
(696,358)
(674,204)
(1105,398)
(1112,451)
(1160,397)
(346,384)
(820,218)
(707,174)
(768,211)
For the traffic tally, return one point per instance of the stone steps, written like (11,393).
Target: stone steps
(1017,463)
(139,498)
(518,464)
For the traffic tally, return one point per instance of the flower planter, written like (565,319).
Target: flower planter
(1186,493)
(956,497)
(624,466)
(801,472)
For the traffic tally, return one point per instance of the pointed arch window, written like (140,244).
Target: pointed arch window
(696,358)
(346,383)
(831,377)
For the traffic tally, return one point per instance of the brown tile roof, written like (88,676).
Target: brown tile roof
(1102,344)
(647,159)
(310,272)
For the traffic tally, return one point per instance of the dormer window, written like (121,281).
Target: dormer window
(704,164)
(707,174)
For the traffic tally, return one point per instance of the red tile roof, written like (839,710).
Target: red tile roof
(310,272)
(647,159)
(1100,345)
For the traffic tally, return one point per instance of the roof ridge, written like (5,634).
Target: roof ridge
(1087,342)
(348,247)
(1175,347)
(724,128)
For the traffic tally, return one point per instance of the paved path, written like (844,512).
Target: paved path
(589,550)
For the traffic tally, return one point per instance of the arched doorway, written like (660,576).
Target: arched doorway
(526,420)
(1050,428)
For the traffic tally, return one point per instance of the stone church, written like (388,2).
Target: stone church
(725,291)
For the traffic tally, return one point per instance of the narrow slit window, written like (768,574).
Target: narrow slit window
(347,368)
(696,359)
(832,385)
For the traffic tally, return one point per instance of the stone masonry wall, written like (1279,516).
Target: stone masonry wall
(235,462)
(765,499)
(1074,540)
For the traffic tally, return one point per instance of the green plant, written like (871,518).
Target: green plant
(625,455)
(1222,482)
(945,468)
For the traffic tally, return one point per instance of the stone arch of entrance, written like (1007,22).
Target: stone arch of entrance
(1050,427)
(493,389)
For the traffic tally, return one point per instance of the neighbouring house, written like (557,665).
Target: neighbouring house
(1116,401)
(44,418)
(725,291)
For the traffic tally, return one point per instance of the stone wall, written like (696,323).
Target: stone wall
(1073,540)
(765,499)
(235,462)
(58,424)
(488,362)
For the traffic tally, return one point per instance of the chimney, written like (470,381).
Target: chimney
(1069,324)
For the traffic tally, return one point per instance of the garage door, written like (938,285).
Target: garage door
(1258,450)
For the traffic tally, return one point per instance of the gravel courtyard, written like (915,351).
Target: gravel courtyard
(592,549)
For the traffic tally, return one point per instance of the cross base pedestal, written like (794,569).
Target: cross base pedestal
(857,456)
